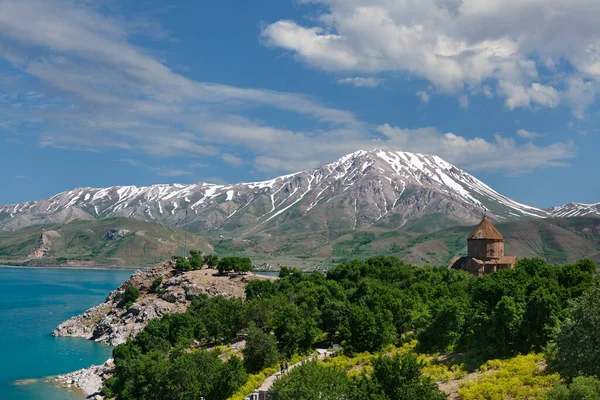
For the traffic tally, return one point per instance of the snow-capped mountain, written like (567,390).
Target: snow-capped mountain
(576,210)
(367,188)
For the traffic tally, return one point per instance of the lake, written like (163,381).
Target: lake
(33,301)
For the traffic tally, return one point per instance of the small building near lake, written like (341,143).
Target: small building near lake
(485,251)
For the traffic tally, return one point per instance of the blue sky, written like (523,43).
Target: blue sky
(101,93)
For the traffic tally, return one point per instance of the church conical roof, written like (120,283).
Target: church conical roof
(485,230)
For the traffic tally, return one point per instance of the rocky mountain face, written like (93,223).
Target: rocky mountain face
(576,210)
(381,188)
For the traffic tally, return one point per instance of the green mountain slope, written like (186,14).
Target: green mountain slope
(114,241)
(557,240)
(122,241)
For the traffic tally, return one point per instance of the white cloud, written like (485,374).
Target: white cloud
(525,134)
(463,101)
(110,94)
(454,44)
(520,96)
(423,96)
(232,159)
(369,82)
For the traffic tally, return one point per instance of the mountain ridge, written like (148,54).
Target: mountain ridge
(381,188)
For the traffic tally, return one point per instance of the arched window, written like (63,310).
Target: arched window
(491,252)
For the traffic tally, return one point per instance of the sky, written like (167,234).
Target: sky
(106,92)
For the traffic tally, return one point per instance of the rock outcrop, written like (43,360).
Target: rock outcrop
(163,290)
(89,380)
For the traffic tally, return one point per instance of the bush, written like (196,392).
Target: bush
(517,378)
(156,284)
(260,351)
(130,295)
(582,388)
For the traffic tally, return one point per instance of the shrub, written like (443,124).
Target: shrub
(130,295)
(155,284)
(516,378)
(582,388)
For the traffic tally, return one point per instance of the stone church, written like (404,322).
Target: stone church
(485,251)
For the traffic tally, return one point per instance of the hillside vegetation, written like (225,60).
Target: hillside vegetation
(115,241)
(393,321)
(557,240)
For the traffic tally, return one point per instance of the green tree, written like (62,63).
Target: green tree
(294,332)
(195,259)
(211,260)
(335,315)
(260,288)
(260,351)
(183,264)
(576,347)
(312,381)
(368,330)
(400,378)
(237,264)
(222,317)
(448,318)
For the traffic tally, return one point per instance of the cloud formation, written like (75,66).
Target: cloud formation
(99,92)
(458,45)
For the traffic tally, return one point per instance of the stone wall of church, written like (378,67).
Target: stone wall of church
(484,249)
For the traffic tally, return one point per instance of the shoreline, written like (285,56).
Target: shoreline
(81,267)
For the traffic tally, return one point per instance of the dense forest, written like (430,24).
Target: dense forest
(401,329)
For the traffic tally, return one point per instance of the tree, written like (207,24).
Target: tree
(294,332)
(195,259)
(237,264)
(576,348)
(312,381)
(335,315)
(368,330)
(130,295)
(182,264)
(445,326)
(260,351)
(222,317)
(260,288)
(211,260)
(400,378)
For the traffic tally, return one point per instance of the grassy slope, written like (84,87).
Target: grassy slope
(146,244)
(558,240)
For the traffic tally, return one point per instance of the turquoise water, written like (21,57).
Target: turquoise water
(33,302)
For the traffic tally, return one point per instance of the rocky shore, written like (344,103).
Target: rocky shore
(89,380)
(163,290)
